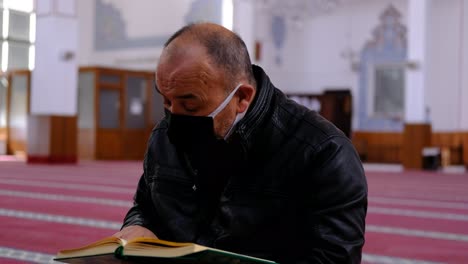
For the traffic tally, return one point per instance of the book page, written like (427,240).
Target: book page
(104,246)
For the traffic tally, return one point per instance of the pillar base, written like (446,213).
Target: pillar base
(52,139)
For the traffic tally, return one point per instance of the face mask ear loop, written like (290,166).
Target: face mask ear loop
(231,129)
(225,102)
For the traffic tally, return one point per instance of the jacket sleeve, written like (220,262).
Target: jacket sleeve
(142,212)
(335,201)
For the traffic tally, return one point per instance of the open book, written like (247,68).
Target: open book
(150,250)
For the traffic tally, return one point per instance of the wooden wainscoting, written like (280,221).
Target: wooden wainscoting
(135,141)
(3,140)
(381,147)
(455,145)
(464,136)
(86,144)
(109,144)
(17,141)
(416,136)
(3,133)
(52,139)
(63,139)
(385,147)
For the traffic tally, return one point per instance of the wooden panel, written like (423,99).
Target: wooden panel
(71,130)
(464,136)
(86,144)
(452,144)
(135,144)
(379,147)
(57,137)
(108,144)
(17,141)
(18,110)
(336,107)
(3,133)
(63,139)
(415,138)
(3,140)
(385,147)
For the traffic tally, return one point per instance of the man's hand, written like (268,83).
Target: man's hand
(134,231)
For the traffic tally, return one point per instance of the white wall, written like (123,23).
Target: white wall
(446,84)
(244,22)
(464,83)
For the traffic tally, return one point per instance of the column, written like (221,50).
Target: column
(52,133)
(244,23)
(417,132)
(464,80)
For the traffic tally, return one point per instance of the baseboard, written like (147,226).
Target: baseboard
(52,160)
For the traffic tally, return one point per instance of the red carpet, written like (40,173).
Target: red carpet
(414,217)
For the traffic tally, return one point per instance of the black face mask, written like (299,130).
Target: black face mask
(210,155)
(190,132)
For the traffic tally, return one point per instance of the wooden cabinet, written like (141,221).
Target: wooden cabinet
(14,111)
(334,105)
(117,110)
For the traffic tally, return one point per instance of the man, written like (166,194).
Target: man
(238,166)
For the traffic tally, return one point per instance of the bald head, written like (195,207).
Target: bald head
(225,50)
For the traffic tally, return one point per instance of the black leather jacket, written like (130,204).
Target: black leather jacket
(298,196)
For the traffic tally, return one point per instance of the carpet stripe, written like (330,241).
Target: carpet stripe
(416,233)
(439,225)
(417,213)
(116,180)
(37,257)
(418,194)
(116,225)
(24,255)
(376,259)
(67,198)
(61,219)
(59,191)
(71,186)
(418,202)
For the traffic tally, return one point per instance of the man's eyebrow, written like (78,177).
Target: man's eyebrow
(183,96)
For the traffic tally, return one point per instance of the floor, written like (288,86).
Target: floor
(414,217)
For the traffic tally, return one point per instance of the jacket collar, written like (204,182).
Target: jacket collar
(257,112)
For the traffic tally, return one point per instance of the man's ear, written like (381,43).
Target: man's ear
(245,95)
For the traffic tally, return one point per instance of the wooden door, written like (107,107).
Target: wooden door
(109,115)
(337,108)
(18,111)
(136,115)
(3,113)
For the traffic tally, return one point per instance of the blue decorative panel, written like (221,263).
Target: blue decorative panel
(205,10)
(387,47)
(278,32)
(111,34)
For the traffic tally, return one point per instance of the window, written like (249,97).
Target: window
(18,26)
(387,88)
